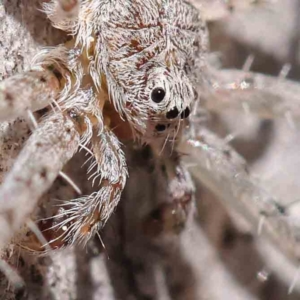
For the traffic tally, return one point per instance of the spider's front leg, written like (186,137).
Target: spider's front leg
(32,90)
(52,144)
(77,220)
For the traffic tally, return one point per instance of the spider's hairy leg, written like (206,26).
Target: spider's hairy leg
(32,90)
(171,215)
(62,12)
(77,220)
(265,96)
(225,173)
(51,145)
(69,5)
(12,137)
(149,224)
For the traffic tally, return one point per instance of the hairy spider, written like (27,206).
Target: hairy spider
(131,71)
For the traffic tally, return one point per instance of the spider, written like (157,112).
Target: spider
(129,72)
(104,87)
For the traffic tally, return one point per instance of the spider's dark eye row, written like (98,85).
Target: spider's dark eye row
(173,113)
(158,95)
(185,113)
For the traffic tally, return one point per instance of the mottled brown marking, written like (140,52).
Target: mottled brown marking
(43,173)
(9,99)
(43,79)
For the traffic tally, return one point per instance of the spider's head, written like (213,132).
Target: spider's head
(157,101)
(168,98)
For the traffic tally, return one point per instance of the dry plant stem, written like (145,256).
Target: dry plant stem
(266,96)
(224,172)
(43,156)
(32,90)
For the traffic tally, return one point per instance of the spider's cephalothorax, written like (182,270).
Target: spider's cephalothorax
(129,71)
(144,55)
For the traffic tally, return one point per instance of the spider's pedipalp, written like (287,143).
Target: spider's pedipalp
(42,158)
(77,220)
(93,211)
(32,90)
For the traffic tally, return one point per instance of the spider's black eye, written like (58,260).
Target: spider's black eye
(158,95)
(160,127)
(185,113)
(173,113)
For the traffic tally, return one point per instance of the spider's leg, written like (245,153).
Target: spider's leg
(69,5)
(171,215)
(12,137)
(51,145)
(62,13)
(12,275)
(265,96)
(77,220)
(156,204)
(32,90)
(223,171)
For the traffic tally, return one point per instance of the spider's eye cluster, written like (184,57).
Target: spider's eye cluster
(158,95)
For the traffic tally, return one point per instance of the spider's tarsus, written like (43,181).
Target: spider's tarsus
(32,90)
(52,144)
